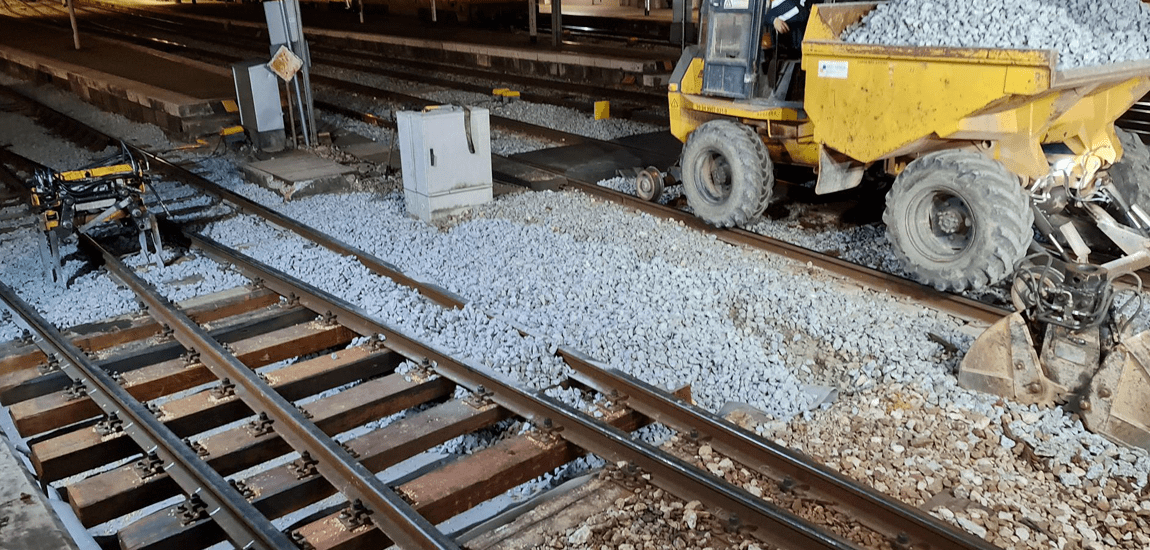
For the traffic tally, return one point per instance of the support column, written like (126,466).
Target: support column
(532,13)
(72,18)
(556,22)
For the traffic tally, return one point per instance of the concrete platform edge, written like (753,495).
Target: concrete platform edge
(27,519)
(170,110)
(623,65)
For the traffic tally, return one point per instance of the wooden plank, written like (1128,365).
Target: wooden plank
(59,409)
(465,482)
(457,487)
(120,491)
(137,326)
(27,384)
(79,450)
(278,491)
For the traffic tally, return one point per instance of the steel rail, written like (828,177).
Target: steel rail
(892,524)
(928,296)
(322,43)
(903,524)
(771,524)
(388,510)
(245,526)
(923,294)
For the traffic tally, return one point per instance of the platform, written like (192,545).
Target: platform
(409,38)
(183,97)
(27,521)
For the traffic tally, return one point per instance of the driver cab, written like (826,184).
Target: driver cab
(741,62)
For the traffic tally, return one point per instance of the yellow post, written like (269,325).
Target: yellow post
(602,110)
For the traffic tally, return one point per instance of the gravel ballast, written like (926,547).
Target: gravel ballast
(1084,32)
(675,306)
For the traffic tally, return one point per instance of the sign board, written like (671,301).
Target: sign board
(285,64)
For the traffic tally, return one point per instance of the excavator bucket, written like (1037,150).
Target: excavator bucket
(1117,403)
(1082,360)
(1002,361)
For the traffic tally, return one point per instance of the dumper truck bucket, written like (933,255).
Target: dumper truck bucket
(1014,99)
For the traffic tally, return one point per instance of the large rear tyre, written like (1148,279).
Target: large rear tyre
(958,220)
(1131,174)
(727,174)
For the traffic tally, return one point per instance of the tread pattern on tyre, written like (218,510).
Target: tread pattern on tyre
(748,157)
(987,187)
(1131,174)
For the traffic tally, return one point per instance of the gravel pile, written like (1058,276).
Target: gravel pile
(465,333)
(1084,32)
(1020,477)
(644,517)
(581,273)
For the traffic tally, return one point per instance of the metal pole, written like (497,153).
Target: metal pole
(302,116)
(309,102)
(299,100)
(532,13)
(291,114)
(556,22)
(687,5)
(72,18)
(361,11)
(433,13)
(647,7)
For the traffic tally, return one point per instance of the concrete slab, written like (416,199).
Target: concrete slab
(27,521)
(594,161)
(299,174)
(552,513)
(366,149)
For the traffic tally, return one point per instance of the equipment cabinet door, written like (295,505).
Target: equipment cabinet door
(731,54)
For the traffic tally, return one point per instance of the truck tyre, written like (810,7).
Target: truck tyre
(1131,174)
(727,174)
(958,220)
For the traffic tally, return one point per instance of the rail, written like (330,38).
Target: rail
(388,511)
(244,525)
(899,522)
(776,526)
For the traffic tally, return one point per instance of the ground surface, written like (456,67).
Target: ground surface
(674,307)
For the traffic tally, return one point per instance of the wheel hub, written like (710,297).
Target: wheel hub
(950,221)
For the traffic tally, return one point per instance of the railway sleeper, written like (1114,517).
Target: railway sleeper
(98,336)
(117,492)
(444,493)
(79,450)
(60,409)
(279,491)
(34,382)
(437,495)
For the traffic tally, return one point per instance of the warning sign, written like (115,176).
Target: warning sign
(285,63)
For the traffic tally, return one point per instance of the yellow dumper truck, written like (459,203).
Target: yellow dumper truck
(996,154)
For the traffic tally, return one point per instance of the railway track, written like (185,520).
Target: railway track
(1136,120)
(156,406)
(642,155)
(519,171)
(628,104)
